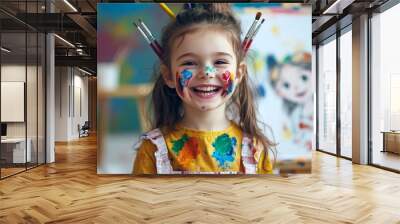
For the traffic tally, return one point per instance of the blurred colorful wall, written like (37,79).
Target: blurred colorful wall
(126,64)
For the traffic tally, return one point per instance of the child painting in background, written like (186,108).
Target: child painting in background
(204,114)
(293,82)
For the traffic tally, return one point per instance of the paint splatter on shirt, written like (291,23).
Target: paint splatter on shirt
(194,150)
(224,150)
(186,148)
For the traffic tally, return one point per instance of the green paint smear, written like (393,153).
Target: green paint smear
(177,145)
(224,149)
(210,69)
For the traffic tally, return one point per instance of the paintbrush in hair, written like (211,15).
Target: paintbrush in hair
(252,36)
(250,31)
(152,45)
(152,38)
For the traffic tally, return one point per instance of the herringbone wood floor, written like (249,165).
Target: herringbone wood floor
(70,191)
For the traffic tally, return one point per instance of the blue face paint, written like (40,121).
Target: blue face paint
(182,80)
(186,75)
(230,87)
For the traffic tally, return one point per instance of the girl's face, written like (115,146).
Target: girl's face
(295,84)
(204,69)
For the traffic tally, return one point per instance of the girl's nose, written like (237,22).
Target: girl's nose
(208,71)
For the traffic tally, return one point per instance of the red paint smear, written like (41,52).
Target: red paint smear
(193,146)
(226,76)
(227,82)
(189,152)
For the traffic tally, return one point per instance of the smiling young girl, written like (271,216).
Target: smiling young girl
(204,114)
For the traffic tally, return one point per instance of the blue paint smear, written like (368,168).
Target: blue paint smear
(185,76)
(230,87)
(224,150)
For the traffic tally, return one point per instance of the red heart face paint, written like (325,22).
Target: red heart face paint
(182,80)
(228,80)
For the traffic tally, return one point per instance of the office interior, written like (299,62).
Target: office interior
(49,82)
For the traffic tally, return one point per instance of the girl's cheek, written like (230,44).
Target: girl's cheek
(182,80)
(228,80)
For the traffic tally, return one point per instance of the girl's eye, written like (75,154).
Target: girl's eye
(189,63)
(221,62)
(304,78)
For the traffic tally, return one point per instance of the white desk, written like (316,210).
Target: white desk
(18,149)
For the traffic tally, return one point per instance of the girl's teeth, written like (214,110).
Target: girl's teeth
(206,93)
(206,89)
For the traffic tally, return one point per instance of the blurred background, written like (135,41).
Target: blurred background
(126,64)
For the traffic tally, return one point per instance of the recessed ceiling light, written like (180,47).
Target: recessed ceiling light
(64,40)
(84,71)
(5,50)
(337,7)
(70,5)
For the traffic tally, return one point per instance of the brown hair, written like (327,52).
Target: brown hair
(166,101)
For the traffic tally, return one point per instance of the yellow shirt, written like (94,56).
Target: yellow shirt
(200,151)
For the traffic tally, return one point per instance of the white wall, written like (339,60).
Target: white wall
(61,103)
(71,93)
(13,73)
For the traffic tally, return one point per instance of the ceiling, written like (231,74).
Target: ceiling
(76,24)
(328,16)
(75,21)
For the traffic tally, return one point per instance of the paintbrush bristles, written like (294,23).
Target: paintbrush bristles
(258,15)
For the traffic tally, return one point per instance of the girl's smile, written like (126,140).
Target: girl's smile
(206,91)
